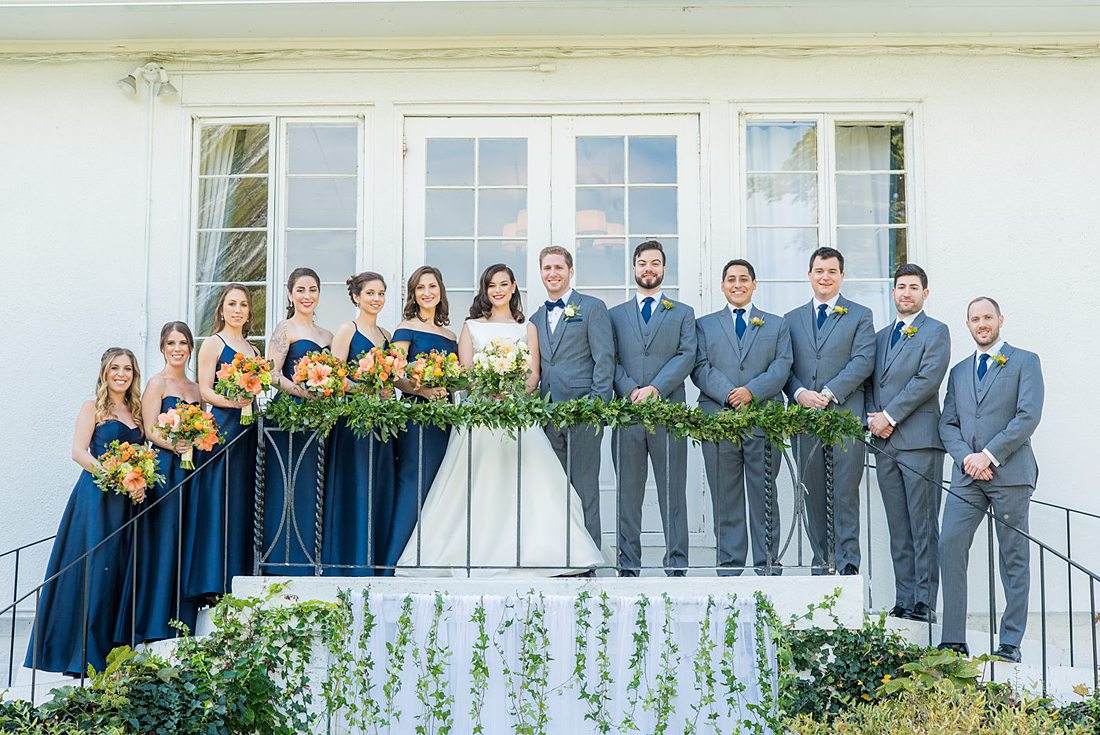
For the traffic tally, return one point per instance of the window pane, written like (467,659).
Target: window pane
(455,259)
(600,160)
(502,162)
(513,253)
(875,295)
(601,261)
(331,254)
(449,212)
(782,199)
(334,306)
(459,307)
(870,147)
(873,199)
(672,260)
(231,256)
(611,296)
(451,162)
(653,211)
(233,149)
(206,301)
(502,212)
(600,211)
(872,252)
(781,146)
(652,159)
(782,252)
(323,149)
(232,203)
(321,202)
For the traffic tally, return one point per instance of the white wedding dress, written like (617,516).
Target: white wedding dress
(515,521)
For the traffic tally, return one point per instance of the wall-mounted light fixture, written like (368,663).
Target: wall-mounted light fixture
(155,75)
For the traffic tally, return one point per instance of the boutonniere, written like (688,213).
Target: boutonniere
(666,304)
(840,310)
(999,360)
(909,331)
(570,311)
(756,321)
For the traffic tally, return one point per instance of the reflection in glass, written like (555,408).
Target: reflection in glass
(449,212)
(652,159)
(500,210)
(450,162)
(321,202)
(872,252)
(872,199)
(233,149)
(455,258)
(671,247)
(231,256)
(322,149)
(782,252)
(861,147)
(226,203)
(781,146)
(513,253)
(206,301)
(601,261)
(502,162)
(782,199)
(653,210)
(600,211)
(600,160)
(331,254)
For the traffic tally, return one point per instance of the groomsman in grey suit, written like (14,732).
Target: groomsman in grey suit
(743,355)
(993,406)
(576,360)
(655,352)
(903,413)
(834,354)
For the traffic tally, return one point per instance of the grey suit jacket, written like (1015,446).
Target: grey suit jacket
(999,413)
(660,353)
(760,362)
(841,355)
(906,382)
(577,360)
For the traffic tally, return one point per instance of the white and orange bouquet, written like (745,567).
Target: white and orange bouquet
(500,368)
(321,374)
(128,469)
(245,377)
(438,370)
(191,425)
(376,370)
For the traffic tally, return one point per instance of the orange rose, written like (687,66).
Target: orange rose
(133,481)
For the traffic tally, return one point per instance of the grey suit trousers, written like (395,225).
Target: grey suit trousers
(630,448)
(578,450)
(732,473)
(960,521)
(848,464)
(912,506)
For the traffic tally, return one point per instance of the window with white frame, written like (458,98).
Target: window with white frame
(825,180)
(272,195)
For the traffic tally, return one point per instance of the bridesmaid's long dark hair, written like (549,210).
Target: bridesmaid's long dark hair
(482,308)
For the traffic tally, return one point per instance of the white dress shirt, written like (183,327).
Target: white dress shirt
(992,351)
(554,315)
(829,306)
(657,299)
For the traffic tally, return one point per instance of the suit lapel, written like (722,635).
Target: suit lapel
(634,316)
(991,376)
(893,352)
(830,322)
(725,318)
(563,324)
(810,322)
(750,334)
(655,319)
(541,320)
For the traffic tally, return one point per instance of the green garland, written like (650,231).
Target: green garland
(384,418)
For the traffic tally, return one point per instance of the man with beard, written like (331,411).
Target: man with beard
(655,353)
(993,406)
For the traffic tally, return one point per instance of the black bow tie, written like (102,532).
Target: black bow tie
(559,304)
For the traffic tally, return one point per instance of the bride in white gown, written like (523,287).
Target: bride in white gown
(519,520)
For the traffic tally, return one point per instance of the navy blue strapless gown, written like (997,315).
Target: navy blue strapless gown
(418,459)
(90,517)
(150,587)
(290,530)
(218,509)
(359,489)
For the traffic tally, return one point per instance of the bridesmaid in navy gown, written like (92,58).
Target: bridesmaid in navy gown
(218,510)
(290,536)
(359,474)
(91,516)
(153,580)
(423,330)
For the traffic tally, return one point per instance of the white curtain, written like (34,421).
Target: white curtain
(216,204)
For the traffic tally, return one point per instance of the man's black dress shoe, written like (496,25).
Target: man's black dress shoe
(1005,652)
(849,570)
(678,573)
(922,613)
(897,611)
(628,572)
(959,648)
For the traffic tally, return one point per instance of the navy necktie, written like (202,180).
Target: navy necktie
(897,333)
(647,308)
(983,366)
(559,304)
(740,322)
(821,314)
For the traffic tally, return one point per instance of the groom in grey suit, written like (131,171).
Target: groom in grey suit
(834,354)
(993,406)
(576,360)
(903,413)
(655,352)
(743,355)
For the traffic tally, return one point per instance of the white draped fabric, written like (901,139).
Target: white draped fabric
(548,624)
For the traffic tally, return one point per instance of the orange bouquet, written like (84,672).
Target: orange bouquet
(189,424)
(127,469)
(379,368)
(438,370)
(245,377)
(321,374)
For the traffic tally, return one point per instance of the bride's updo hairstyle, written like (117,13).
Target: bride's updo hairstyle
(482,308)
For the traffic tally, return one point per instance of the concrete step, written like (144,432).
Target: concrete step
(978,641)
